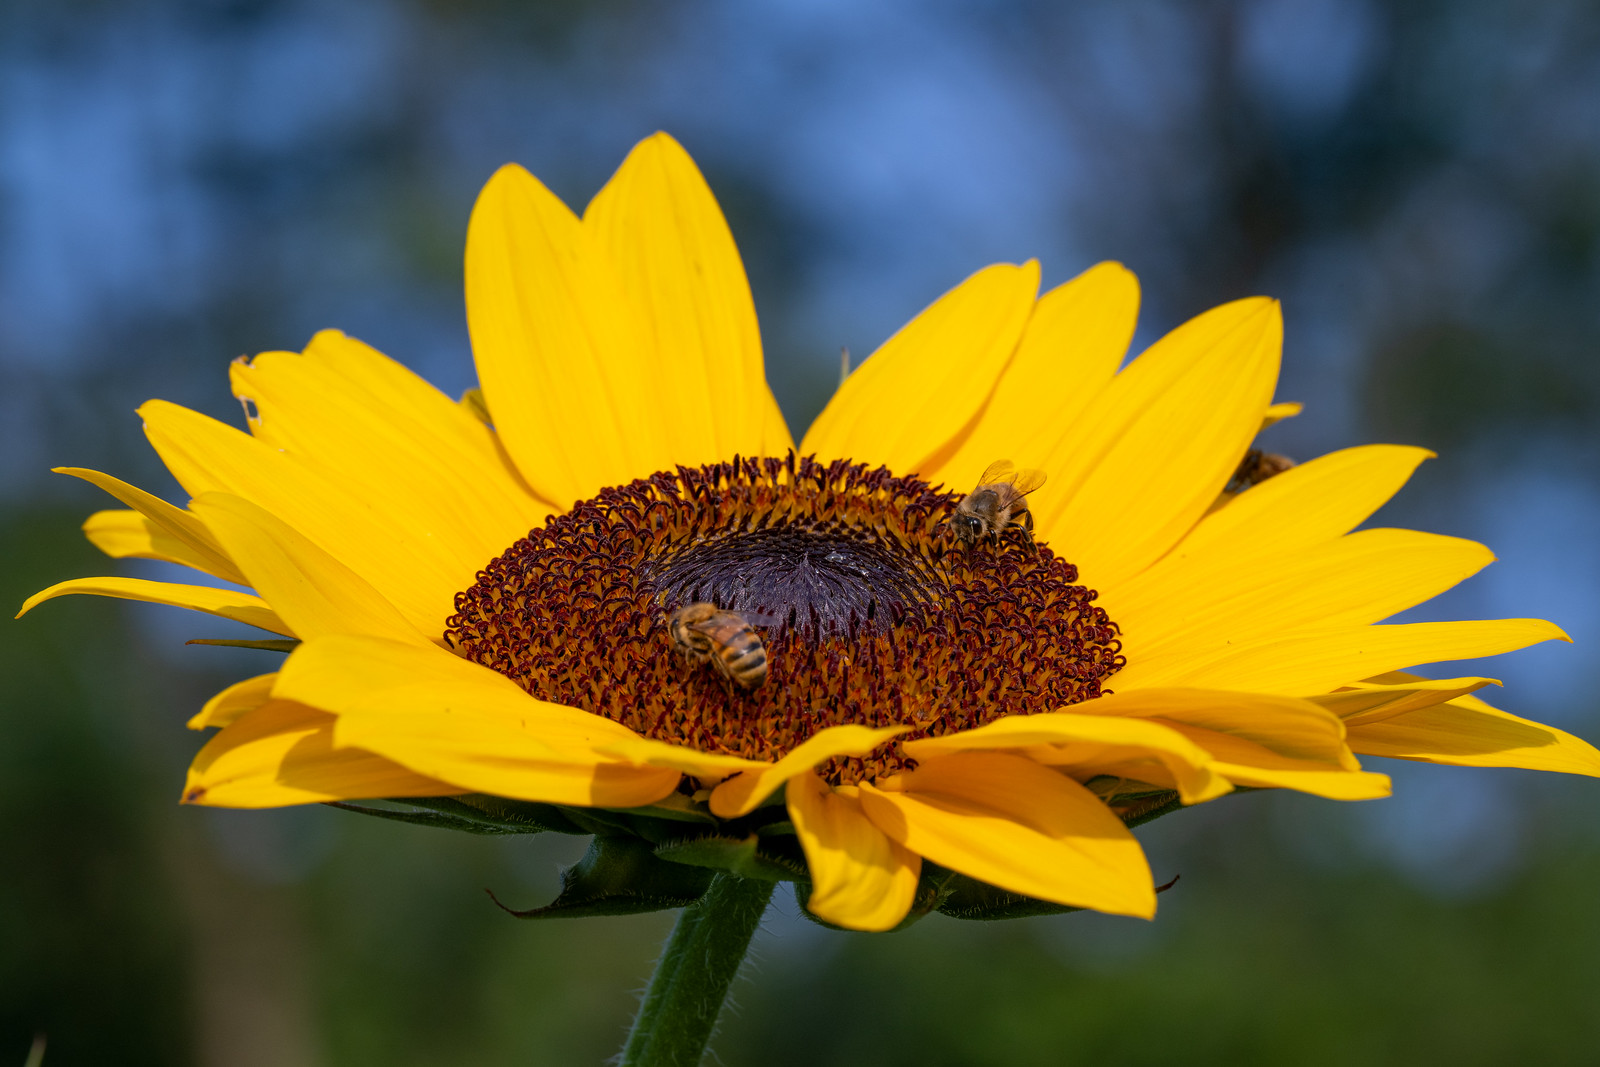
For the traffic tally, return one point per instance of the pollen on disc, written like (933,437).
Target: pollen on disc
(869,609)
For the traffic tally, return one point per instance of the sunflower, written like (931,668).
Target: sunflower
(475,595)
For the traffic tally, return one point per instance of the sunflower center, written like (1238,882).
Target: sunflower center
(870,611)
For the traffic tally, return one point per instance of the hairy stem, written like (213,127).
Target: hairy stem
(697,966)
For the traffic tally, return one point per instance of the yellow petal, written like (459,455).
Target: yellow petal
(1278,412)
(859,878)
(166,522)
(923,388)
(1330,785)
(315,593)
(282,754)
(400,552)
(1081,745)
(1368,703)
(1469,733)
(1228,599)
(389,436)
(1159,442)
(1320,660)
(775,436)
(1305,505)
(560,352)
(224,603)
(1239,756)
(1071,347)
(1017,825)
(124,534)
(345,673)
(661,232)
(455,721)
(742,795)
(707,766)
(1286,725)
(234,701)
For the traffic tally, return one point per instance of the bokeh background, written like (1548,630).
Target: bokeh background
(183,182)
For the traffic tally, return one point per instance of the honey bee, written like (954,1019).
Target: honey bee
(996,504)
(704,631)
(1256,467)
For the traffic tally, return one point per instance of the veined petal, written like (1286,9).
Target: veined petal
(742,795)
(660,231)
(234,701)
(1467,732)
(1082,744)
(707,766)
(452,720)
(166,523)
(1160,442)
(1330,785)
(775,436)
(487,754)
(348,409)
(1077,336)
(1260,759)
(123,534)
(1014,824)
(1319,660)
(1313,502)
(546,329)
(344,673)
(398,551)
(1286,725)
(315,593)
(1225,600)
(1366,702)
(224,603)
(859,878)
(282,754)
(924,387)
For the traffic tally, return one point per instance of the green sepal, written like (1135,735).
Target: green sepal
(933,889)
(1148,808)
(666,820)
(968,898)
(513,816)
(620,876)
(481,813)
(435,819)
(674,807)
(747,857)
(274,645)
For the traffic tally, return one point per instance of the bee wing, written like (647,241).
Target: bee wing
(1027,480)
(757,617)
(999,471)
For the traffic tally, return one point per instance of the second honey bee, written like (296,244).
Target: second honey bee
(706,632)
(997,504)
(1256,467)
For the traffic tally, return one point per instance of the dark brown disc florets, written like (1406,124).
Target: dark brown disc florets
(871,611)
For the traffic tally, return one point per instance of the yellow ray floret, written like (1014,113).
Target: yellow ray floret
(860,877)
(1014,824)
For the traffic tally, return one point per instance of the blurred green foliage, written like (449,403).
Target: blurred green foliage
(92,941)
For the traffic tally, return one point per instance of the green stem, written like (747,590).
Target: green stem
(692,977)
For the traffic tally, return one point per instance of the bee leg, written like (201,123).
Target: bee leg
(1027,531)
